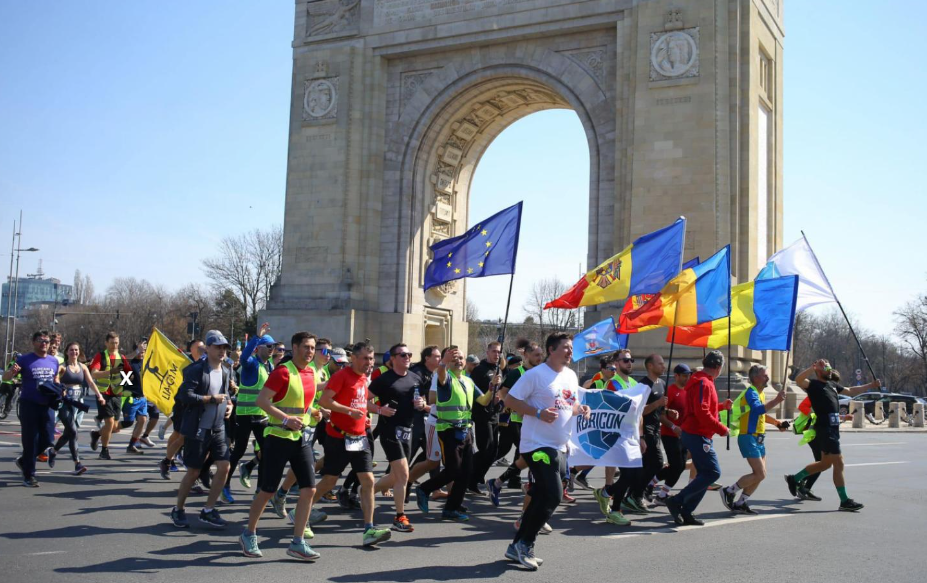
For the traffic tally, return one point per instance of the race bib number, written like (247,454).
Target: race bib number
(308,434)
(352,443)
(761,438)
(834,419)
(404,433)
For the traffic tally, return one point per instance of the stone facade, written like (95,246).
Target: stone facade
(395,101)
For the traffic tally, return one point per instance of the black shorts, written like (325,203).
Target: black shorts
(827,439)
(111,407)
(213,442)
(153,412)
(396,442)
(275,454)
(337,457)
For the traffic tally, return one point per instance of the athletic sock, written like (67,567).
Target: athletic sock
(842,492)
(297,540)
(207,509)
(368,526)
(801,475)
(585,473)
(742,500)
(733,488)
(281,493)
(654,482)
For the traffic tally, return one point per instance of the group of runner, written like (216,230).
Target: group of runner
(447,416)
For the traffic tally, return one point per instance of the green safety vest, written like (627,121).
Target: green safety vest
(247,395)
(293,404)
(104,384)
(517,417)
(599,384)
(457,410)
(624,385)
(738,409)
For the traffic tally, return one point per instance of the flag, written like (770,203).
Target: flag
(643,267)
(161,371)
(635,302)
(489,248)
(598,339)
(762,314)
(696,295)
(611,435)
(798,259)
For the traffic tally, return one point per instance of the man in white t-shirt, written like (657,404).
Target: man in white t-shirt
(548,397)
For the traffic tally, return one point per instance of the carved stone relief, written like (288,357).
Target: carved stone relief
(329,17)
(320,99)
(410,82)
(674,55)
(592,60)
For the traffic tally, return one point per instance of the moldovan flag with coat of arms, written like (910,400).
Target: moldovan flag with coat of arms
(643,267)
(162,371)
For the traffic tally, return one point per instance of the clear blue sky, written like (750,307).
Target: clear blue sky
(129,124)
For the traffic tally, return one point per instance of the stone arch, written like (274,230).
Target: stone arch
(443,130)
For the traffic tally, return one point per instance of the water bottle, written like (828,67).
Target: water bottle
(416,396)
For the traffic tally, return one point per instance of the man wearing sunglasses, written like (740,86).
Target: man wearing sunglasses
(36,417)
(399,392)
(279,353)
(607,368)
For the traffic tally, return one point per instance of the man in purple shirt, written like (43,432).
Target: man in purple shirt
(36,417)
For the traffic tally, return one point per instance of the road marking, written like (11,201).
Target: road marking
(45,553)
(874,464)
(708,524)
(873,444)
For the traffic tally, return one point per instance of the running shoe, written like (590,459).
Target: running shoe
(291,518)
(502,462)
(42,457)
(104,454)
(727,498)
(373,536)
(19,463)
(639,503)
(249,544)
(134,449)
(582,482)
(474,490)
(162,429)
(279,504)
(632,506)
(809,495)
(567,499)
(197,490)
(330,497)
(94,439)
(512,555)
(146,441)
(344,499)
(179,518)
(742,508)
(31,482)
(421,499)
(792,484)
(374,464)
(617,518)
(546,529)
(355,502)
(179,459)
(51,455)
(302,551)
(79,469)
(454,515)
(164,467)
(714,486)
(174,467)
(525,553)
(691,520)
(660,499)
(244,476)
(850,505)
(317,516)
(604,501)
(212,518)
(494,491)
(227,495)
(401,523)
(675,509)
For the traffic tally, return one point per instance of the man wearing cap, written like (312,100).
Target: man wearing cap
(204,394)
(472,362)
(250,419)
(670,431)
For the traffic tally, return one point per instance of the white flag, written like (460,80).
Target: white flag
(610,437)
(798,259)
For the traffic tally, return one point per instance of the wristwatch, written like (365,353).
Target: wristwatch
(538,414)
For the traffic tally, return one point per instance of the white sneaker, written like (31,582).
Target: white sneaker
(146,441)
(547,529)
(162,429)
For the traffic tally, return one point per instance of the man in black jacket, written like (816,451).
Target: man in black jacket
(204,395)
(487,378)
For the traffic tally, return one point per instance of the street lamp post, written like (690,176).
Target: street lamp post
(13,289)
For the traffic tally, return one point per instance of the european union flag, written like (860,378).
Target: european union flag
(489,248)
(598,339)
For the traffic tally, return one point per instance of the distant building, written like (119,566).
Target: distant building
(33,290)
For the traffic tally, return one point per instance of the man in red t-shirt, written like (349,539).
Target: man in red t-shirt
(670,431)
(284,442)
(346,434)
(699,425)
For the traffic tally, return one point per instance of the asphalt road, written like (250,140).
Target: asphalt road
(111,524)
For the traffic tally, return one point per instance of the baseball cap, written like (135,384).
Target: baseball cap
(682,368)
(473,359)
(339,355)
(214,338)
(265,340)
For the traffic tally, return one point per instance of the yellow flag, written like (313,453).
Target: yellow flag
(161,371)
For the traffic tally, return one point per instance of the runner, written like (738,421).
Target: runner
(487,378)
(134,403)
(106,369)
(820,382)
(670,432)
(73,375)
(607,369)
(546,398)
(196,350)
(346,439)
(751,405)
(286,396)
(37,419)
(424,368)
(205,396)
(653,413)
(698,427)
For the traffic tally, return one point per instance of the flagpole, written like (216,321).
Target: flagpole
(839,305)
(508,302)
(672,345)
(785,373)
(729,378)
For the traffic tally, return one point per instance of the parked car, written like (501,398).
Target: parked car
(844,403)
(869,399)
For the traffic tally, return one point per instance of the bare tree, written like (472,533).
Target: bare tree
(87,290)
(78,291)
(553,320)
(248,264)
(471,312)
(912,328)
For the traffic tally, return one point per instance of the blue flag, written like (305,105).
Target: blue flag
(598,339)
(489,248)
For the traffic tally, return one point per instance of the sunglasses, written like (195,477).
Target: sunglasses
(280,350)
(403,355)
(611,368)
(43,341)
(627,360)
(324,351)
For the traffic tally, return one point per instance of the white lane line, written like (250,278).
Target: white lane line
(45,553)
(874,464)
(873,444)
(708,524)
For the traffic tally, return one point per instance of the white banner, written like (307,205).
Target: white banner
(610,437)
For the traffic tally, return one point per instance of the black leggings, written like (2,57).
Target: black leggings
(68,417)
(653,463)
(509,436)
(546,492)
(627,479)
(245,427)
(487,444)
(676,457)
(816,450)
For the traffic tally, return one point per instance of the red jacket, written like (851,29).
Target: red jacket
(701,416)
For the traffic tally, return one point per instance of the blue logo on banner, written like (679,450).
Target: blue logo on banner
(600,432)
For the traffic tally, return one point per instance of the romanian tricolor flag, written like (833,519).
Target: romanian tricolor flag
(762,314)
(697,294)
(644,267)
